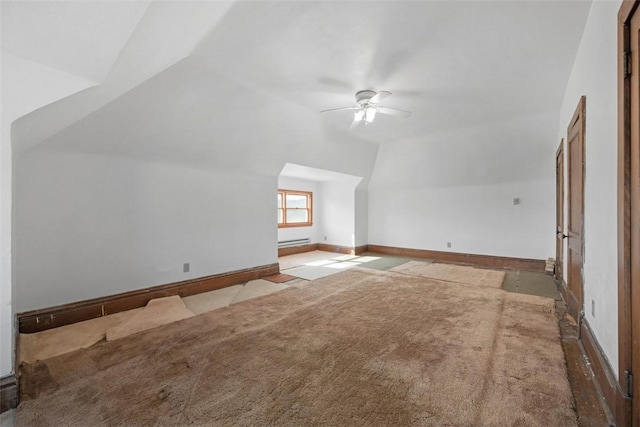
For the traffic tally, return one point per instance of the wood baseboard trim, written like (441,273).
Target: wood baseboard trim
(53,317)
(616,402)
(573,305)
(361,249)
(487,261)
(335,248)
(323,247)
(8,393)
(297,249)
(347,250)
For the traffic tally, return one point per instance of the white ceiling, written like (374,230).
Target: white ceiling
(291,170)
(452,63)
(258,73)
(82,38)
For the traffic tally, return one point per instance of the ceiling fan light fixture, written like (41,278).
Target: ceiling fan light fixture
(367,106)
(370,114)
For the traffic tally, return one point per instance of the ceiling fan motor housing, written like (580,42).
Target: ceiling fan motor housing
(364,96)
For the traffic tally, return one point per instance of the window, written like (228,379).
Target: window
(295,208)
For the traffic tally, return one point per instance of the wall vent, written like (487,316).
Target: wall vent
(294,242)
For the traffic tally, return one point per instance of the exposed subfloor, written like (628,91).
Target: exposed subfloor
(7,418)
(589,407)
(316,264)
(588,401)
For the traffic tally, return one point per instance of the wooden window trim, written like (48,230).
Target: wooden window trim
(309,195)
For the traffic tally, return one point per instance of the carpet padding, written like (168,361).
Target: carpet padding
(157,312)
(361,347)
(53,342)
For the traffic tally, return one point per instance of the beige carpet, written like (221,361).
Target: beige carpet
(361,347)
(453,273)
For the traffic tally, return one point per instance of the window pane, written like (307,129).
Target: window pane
(280,219)
(296,201)
(297,216)
(279,200)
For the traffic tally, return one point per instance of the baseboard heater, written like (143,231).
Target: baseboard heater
(293,242)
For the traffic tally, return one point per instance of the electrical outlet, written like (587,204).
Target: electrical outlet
(448,244)
(593,308)
(325,238)
(186,267)
(516,200)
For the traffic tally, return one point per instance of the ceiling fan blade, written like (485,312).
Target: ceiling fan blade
(383,94)
(340,109)
(356,121)
(393,111)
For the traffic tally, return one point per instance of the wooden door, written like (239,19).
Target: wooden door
(629,209)
(575,148)
(560,212)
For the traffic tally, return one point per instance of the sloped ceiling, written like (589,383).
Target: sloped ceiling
(81,38)
(90,38)
(258,73)
(291,170)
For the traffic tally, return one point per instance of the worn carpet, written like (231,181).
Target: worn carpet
(453,273)
(361,347)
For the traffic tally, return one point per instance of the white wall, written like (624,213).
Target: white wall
(153,137)
(475,219)
(26,86)
(183,142)
(338,212)
(314,232)
(595,75)
(432,190)
(361,215)
(92,225)
(334,208)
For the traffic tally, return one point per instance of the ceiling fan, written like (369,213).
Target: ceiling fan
(367,106)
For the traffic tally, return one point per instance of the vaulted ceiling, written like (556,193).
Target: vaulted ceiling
(186,78)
